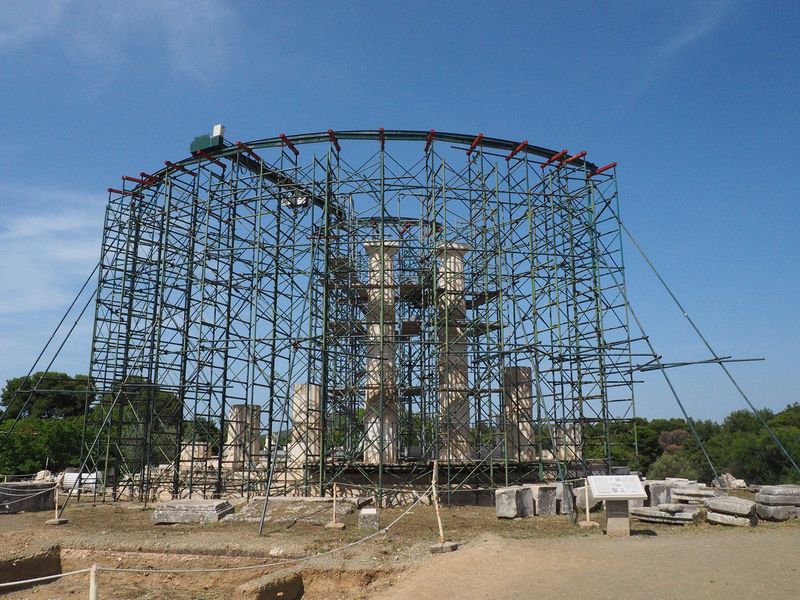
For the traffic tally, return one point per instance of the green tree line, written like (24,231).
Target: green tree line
(51,406)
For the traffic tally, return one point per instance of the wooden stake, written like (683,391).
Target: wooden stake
(435,481)
(334,502)
(586,499)
(93,583)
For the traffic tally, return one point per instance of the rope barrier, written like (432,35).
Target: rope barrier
(13,490)
(23,499)
(46,578)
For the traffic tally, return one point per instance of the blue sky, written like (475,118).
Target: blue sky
(698,102)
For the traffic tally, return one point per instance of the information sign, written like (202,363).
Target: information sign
(616,487)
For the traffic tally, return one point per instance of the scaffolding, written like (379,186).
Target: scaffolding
(357,307)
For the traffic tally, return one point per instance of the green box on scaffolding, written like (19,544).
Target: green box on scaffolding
(205,142)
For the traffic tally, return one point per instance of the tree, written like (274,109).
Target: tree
(36,443)
(671,441)
(45,395)
(674,464)
(745,420)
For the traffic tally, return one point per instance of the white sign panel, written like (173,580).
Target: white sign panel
(616,487)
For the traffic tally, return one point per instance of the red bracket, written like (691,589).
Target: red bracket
(514,152)
(247,149)
(382,139)
(334,141)
(429,140)
(172,165)
(209,158)
(601,169)
(580,154)
(475,143)
(133,179)
(151,179)
(286,141)
(125,192)
(554,158)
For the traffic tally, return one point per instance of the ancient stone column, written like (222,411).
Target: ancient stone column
(453,367)
(242,442)
(305,444)
(518,411)
(573,441)
(194,455)
(568,440)
(380,416)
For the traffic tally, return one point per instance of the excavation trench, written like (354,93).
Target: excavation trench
(212,581)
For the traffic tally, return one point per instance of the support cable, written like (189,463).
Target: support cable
(660,367)
(717,358)
(52,336)
(52,360)
(672,389)
(111,406)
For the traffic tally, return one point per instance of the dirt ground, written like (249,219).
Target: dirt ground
(499,558)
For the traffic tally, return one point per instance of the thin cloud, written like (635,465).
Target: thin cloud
(192,38)
(700,26)
(24,22)
(47,248)
(714,14)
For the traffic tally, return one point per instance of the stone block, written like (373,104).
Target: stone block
(649,514)
(527,502)
(567,499)
(368,519)
(443,548)
(693,494)
(729,482)
(676,508)
(580,499)
(722,519)
(777,513)
(778,499)
(191,510)
(728,505)
(660,492)
(781,490)
(546,500)
(508,503)
(286,584)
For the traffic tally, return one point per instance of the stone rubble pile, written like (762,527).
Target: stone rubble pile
(673,501)
(729,482)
